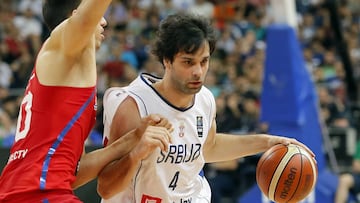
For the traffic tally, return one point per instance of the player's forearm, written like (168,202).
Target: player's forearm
(236,146)
(227,147)
(92,163)
(117,175)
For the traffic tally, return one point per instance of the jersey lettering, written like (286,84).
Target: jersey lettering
(19,154)
(24,119)
(178,154)
(188,200)
(174,181)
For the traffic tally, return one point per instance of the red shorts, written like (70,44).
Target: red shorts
(58,196)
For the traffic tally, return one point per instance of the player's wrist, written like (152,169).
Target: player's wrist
(134,157)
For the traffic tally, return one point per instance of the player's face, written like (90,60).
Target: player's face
(99,35)
(188,71)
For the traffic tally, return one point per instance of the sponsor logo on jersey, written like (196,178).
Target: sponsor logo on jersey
(199,125)
(150,199)
(19,154)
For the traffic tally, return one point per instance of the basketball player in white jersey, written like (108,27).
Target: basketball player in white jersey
(183,45)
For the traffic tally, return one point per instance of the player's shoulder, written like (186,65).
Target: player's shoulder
(112,98)
(206,94)
(205,98)
(206,91)
(115,93)
(55,37)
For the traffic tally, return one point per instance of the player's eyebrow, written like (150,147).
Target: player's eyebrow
(192,58)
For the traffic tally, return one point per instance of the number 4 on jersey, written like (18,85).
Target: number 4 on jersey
(174,180)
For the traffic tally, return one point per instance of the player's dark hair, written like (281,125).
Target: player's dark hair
(56,11)
(182,33)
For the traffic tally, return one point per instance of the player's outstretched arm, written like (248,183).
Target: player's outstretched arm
(224,147)
(79,29)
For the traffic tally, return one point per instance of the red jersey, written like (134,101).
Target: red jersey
(52,127)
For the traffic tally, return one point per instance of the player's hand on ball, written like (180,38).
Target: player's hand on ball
(274,140)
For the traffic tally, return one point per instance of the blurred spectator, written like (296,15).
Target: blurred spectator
(183,5)
(6,74)
(349,182)
(226,41)
(229,116)
(6,125)
(30,28)
(35,6)
(117,13)
(250,116)
(9,111)
(307,28)
(223,177)
(153,66)
(167,8)
(333,110)
(309,60)
(212,83)
(203,7)
(225,181)
(118,73)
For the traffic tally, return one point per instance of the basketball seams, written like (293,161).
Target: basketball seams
(262,161)
(280,168)
(313,165)
(300,152)
(267,154)
(286,173)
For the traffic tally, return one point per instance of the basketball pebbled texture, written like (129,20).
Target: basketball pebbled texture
(286,173)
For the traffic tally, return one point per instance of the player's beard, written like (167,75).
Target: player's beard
(185,87)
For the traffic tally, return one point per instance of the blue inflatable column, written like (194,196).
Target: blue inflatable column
(289,104)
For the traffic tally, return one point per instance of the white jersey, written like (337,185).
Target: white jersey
(173,176)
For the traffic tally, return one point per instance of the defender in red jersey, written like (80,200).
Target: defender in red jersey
(47,160)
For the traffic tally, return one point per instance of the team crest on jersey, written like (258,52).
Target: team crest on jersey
(199,125)
(181,129)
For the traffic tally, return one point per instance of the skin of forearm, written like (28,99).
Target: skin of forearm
(237,146)
(356,166)
(117,175)
(92,163)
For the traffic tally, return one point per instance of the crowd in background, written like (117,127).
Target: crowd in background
(236,68)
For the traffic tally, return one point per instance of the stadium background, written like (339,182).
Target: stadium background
(235,77)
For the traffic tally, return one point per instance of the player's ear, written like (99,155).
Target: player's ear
(74,11)
(167,63)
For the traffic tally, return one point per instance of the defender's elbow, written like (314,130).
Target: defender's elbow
(106,189)
(103,191)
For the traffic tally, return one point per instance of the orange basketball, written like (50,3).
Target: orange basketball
(286,173)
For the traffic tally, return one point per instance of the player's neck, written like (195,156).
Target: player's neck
(173,96)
